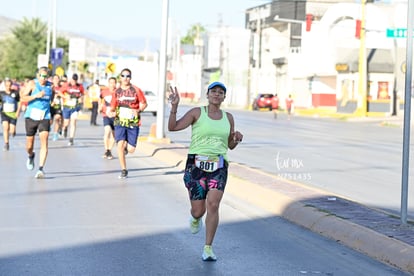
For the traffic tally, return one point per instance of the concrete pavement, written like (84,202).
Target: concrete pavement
(372,232)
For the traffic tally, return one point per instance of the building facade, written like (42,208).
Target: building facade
(311,51)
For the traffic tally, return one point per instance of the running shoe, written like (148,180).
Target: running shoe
(208,254)
(6,147)
(195,225)
(70,142)
(40,174)
(124,174)
(109,155)
(30,162)
(55,136)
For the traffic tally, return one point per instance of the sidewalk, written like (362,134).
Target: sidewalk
(372,232)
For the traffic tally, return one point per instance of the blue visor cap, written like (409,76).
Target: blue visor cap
(217,83)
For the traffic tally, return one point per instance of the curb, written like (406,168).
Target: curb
(375,245)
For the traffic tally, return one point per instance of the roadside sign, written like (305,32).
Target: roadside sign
(397,33)
(56,56)
(59,71)
(110,67)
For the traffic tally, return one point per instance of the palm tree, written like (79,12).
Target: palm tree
(19,52)
(29,42)
(194,33)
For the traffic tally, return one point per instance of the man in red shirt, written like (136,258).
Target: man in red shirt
(127,102)
(56,107)
(72,104)
(289,103)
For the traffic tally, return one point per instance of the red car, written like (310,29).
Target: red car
(275,102)
(262,101)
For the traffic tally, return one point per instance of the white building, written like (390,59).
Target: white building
(221,55)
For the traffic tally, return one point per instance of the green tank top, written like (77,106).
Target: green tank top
(210,137)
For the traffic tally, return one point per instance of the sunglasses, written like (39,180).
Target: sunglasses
(126,76)
(43,75)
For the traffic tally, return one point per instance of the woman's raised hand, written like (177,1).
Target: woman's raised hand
(174,96)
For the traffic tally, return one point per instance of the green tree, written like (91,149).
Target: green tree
(19,52)
(195,32)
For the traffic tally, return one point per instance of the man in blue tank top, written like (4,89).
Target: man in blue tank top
(38,93)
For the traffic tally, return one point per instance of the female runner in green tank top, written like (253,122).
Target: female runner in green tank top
(205,176)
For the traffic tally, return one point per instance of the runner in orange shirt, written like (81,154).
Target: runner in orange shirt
(108,118)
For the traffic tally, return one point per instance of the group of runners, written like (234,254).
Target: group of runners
(52,105)
(121,104)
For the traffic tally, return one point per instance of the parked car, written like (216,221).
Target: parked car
(152,101)
(262,101)
(275,102)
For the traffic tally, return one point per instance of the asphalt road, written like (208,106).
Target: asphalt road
(83,220)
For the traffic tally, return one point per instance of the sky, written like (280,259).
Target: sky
(119,19)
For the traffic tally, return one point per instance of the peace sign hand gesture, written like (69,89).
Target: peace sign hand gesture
(174,96)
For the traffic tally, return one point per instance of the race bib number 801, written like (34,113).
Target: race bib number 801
(209,163)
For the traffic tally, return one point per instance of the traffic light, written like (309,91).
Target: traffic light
(309,18)
(358,29)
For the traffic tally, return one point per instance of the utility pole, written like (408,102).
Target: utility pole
(221,54)
(249,70)
(54,10)
(407,114)
(362,65)
(49,23)
(160,132)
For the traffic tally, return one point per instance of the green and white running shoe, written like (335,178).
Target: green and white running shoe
(195,225)
(208,254)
